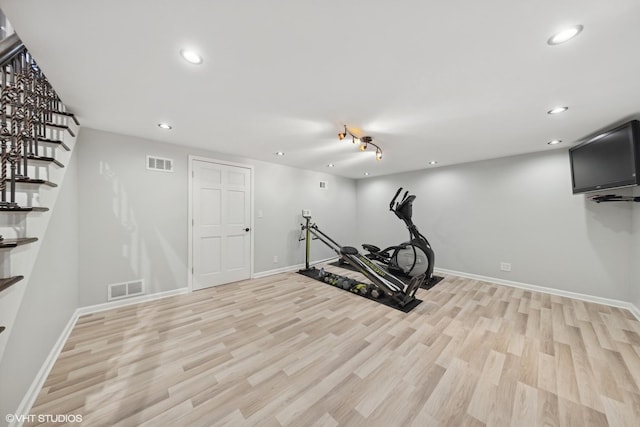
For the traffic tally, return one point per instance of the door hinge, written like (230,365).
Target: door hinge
(193,174)
(191,270)
(193,222)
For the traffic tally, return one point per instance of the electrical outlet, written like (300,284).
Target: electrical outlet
(505,266)
(275,259)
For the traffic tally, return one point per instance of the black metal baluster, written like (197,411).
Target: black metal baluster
(38,87)
(12,136)
(4,134)
(26,119)
(20,117)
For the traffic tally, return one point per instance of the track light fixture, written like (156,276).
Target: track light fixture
(363,142)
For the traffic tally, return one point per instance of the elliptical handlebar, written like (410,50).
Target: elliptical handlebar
(393,201)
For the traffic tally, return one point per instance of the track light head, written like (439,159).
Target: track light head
(343,135)
(364,141)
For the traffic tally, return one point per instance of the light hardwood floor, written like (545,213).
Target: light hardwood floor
(287,350)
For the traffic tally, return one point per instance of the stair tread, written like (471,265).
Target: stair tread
(45,159)
(53,124)
(23,209)
(54,141)
(6,282)
(27,180)
(67,114)
(56,125)
(12,243)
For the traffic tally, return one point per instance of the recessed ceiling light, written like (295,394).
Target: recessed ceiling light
(565,35)
(279,153)
(554,142)
(330,165)
(191,56)
(557,110)
(366,174)
(165,126)
(433,162)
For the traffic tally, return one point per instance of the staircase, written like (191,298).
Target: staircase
(36,137)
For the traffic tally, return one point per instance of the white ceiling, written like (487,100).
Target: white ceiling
(452,81)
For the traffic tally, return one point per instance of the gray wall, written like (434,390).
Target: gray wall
(281,193)
(50,298)
(134,222)
(518,210)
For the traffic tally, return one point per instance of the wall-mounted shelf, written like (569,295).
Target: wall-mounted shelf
(614,198)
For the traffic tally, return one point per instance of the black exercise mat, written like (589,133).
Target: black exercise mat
(430,283)
(315,274)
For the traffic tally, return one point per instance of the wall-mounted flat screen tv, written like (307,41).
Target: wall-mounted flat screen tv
(609,160)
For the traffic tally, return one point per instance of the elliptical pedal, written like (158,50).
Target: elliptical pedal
(414,285)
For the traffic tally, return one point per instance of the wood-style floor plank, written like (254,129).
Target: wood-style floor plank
(287,350)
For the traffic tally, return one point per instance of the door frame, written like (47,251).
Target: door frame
(190,219)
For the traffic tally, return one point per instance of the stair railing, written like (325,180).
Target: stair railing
(30,112)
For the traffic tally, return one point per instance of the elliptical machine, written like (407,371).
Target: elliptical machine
(385,288)
(412,258)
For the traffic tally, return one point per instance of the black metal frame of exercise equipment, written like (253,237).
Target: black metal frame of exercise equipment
(417,243)
(386,288)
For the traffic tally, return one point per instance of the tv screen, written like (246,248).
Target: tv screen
(609,160)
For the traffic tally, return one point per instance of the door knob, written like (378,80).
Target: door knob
(247,229)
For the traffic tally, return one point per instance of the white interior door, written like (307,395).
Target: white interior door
(221,197)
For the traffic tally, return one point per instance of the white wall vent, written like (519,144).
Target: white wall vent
(118,291)
(159,164)
(323,185)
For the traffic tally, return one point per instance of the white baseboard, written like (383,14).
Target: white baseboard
(289,268)
(32,393)
(634,310)
(583,297)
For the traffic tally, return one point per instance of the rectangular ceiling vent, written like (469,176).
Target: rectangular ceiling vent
(159,164)
(118,291)
(323,185)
